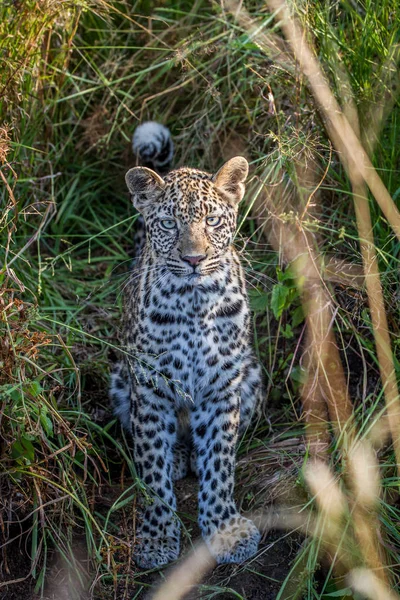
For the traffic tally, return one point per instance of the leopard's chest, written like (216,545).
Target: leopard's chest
(188,340)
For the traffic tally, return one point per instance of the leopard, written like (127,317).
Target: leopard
(188,383)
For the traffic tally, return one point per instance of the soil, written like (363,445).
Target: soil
(15,565)
(259,579)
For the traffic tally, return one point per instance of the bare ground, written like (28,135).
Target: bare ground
(259,579)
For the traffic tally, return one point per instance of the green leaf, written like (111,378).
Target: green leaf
(297,316)
(17,449)
(23,450)
(298,374)
(46,423)
(258,301)
(287,332)
(286,275)
(16,395)
(278,299)
(29,449)
(35,389)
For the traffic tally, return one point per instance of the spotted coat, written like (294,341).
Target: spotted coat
(189,382)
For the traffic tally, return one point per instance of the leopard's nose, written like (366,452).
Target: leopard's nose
(194,260)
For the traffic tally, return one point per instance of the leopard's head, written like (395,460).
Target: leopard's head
(190,215)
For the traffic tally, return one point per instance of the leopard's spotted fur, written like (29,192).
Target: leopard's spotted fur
(189,381)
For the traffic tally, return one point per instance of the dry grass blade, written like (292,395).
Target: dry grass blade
(378,313)
(364,475)
(325,377)
(345,136)
(364,479)
(186,574)
(326,490)
(375,297)
(368,250)
(360,541)
(366,583)
(340,131)
(269,473)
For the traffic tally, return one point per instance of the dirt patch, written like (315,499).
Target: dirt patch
(15,566)
(262,577)
(258,579)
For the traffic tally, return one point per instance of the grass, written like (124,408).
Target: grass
(77,78)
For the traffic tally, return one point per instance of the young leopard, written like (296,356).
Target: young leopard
(189,382)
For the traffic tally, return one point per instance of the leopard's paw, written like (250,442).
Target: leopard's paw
(235,541)
(155,552)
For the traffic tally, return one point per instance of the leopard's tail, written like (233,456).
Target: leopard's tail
(154,148)
(152,144)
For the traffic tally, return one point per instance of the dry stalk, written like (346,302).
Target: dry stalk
(324,395)
(188,573)
(335,507)
(375,299)
(367,584)
(378,313)
(340,131)
(325,372)
(344,133)
(364,480)
(370,259)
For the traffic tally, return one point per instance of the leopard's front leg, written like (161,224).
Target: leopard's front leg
(154,429)
(230,537)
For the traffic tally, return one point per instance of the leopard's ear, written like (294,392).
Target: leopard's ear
(144,185)
(230,179)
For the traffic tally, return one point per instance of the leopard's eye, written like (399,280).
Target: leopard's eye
(168,224)
(213,221)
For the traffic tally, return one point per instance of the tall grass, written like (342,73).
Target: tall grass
(76,79)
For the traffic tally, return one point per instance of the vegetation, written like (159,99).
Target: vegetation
(77,76)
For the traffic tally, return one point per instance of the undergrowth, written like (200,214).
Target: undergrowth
(77,77)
